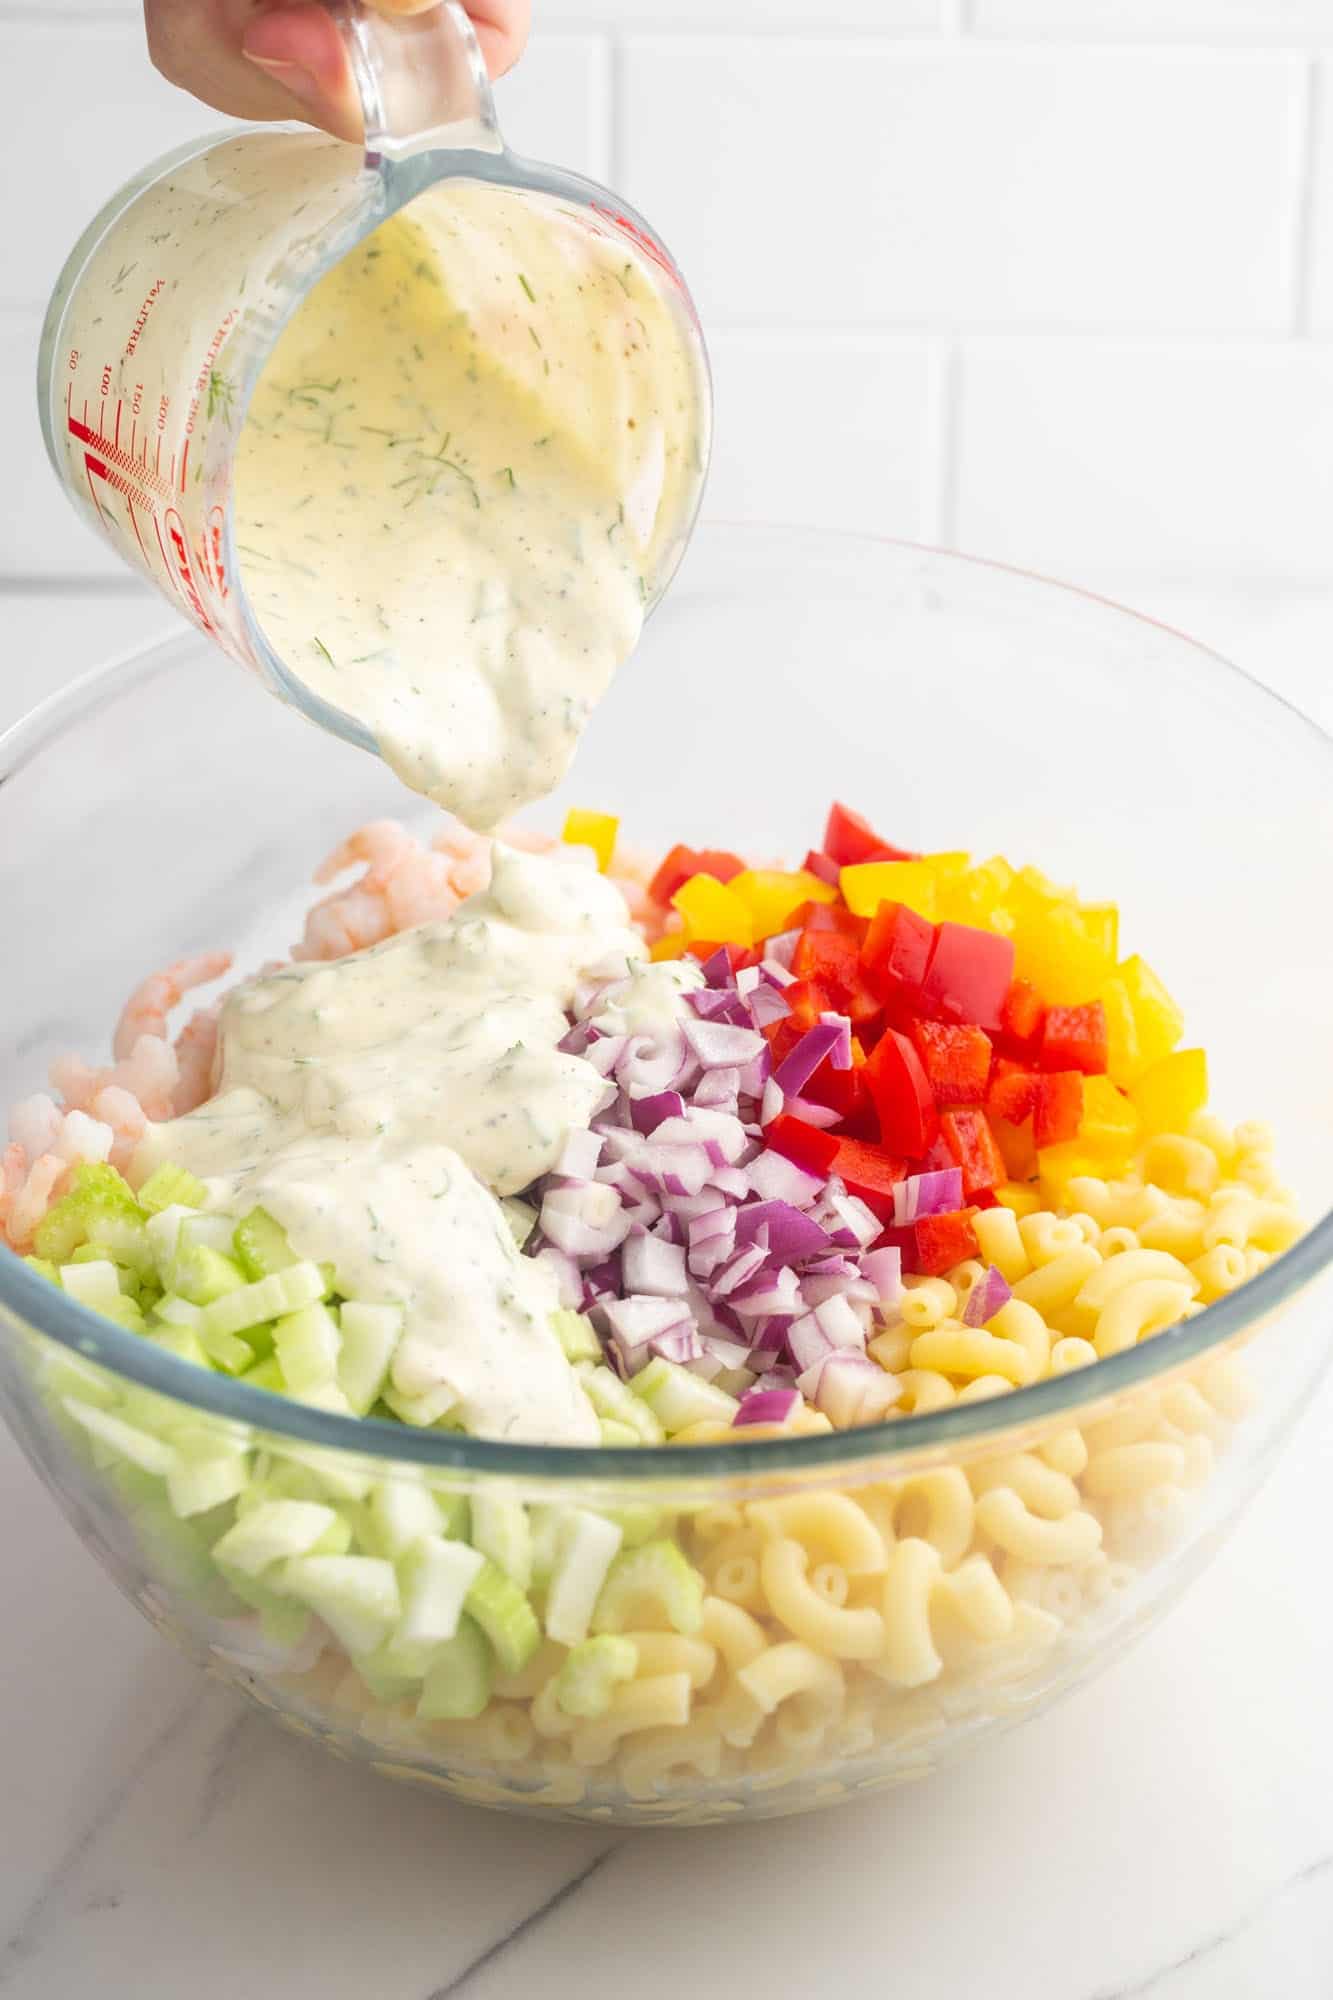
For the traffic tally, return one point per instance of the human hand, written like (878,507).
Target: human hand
(264,59)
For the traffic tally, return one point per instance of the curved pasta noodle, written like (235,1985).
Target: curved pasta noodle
(1054,1284)
(737,1636)
(1148,1306)
(1047,1236)
(1117,1273)
(656,1754)
(792,1668)
(1021,1533)
(910,1657)
(1001,1242)
(671,1653)
(831,1523)
(927,1302)
(923,1390)
(1133,1468)
(841,1634)
(937,1507)
(1046,1492)
(1181,1165)
(971,1351)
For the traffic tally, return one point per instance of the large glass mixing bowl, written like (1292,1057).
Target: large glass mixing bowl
(165,804)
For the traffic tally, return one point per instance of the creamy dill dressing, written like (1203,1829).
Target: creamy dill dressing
(464,463)
(378,1105)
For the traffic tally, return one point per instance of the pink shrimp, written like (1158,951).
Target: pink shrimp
(196,1053)
(380,842)
(13,1173)
(121,1110)
(34,1197)
(146,1010)
(346,922)
(34,1124)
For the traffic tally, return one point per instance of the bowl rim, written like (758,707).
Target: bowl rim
(39,1307)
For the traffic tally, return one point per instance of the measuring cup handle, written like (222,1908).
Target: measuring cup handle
(421,79)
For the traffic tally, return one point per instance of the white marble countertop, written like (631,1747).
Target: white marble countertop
(1166,1831)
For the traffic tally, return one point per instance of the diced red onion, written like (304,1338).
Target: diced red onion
(753,1076)
(986,1297)
(768,1291)
(766,1003)
(606,1053)
(792,1235)
(733,1182)
(568,1277)
(781,948)
(776,1178)
(841,1057)
(720,1046)
(719,1088)
(856,1290)
(778,970)
(863,1223)
(772,1103)
(681,1345)
(585,1219)
(727,1353)
(742,1266)
(770,1334)
(647,1113)
(705,1125)
(843,1328)
(716,968)
(652,1266)
(884,1268)
(651,1063)
(800,1064)
(637,1319)
(579,1154)
(938,1193)
(818,1115)
(690,1205)
(766,1406)
(852,1389)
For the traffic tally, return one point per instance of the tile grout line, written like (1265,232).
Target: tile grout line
(1303,222)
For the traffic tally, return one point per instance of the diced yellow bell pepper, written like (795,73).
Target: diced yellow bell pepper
(672,945)
(1058,1165)
(1054,949)
(1100,922)
(949,864)
(1022,1200)
(712,913)
(1110,1121)
(978,896)
(595,830)
(1123,1061)
(1158,1021)
(867,884)
(1167,1096)
(771,895)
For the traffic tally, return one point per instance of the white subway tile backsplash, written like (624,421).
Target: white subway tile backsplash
(1088,458)
(556,103)
(917,185)
(837,432)
(1164,20)
(79,149)
(40,534)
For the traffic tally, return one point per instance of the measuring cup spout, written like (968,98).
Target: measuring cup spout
(421,79)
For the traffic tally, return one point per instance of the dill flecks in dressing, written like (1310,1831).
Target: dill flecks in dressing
(378,1105)
(464,464)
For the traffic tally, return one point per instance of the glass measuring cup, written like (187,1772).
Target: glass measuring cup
(172,300)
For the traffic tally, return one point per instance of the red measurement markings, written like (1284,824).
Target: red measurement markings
(185,460)
(106,461)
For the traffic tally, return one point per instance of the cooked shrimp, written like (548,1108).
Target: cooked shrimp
(29,1205)
(146,1010)
(196,1050)
(381,842)
(83,1139)
(342,923)
(34,1124)
(121,1110)
(13,1173)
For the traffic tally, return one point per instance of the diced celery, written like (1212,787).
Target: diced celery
(306,1344)
(545,1523)
(261,1245)
(577,1335)
(401,1512)
(592,1672)
(638,1522)
(500,1529)
(266,1375)
(203,1275)
(420,1411)
(383,1672)
(95,1285)
(273,1532)
(611,1397)
(588,1542)
(505,1616)
(170,1186)
(198,1482)
(455,1514)
(522,1219)
(123,1440)
(649,1583)
(226,1351)
(44,1269)
(678,1399)
(328,1396)
(370,1335)
(270,1298)
(180,1341)
(127,1314)
(65,1374)
(333,1474)
(618,1435)
(356,1596)
(176,1311)
(162,1230)
(123,1238)
(208,1232)
(94,1189)
(458,1681)
(435,1578)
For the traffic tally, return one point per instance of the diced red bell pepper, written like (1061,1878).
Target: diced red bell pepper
(682,862)
(1013,1092)
(1059,1111)
(828,917)
(968,976)
(807,999)
(1075,1038)
(937,1159)
(870,1173)
(969,1139)
(834,962)
(805,1145)
(943,1241)
(849,839)
(908,1120)
(1021,1017)
(896,952)
(956,1060)
(822,865)
(842,1090)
